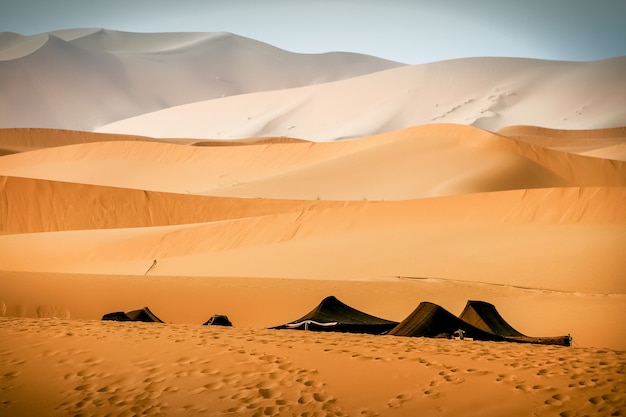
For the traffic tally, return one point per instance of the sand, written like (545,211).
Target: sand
(89,229)
(490,93)
(52,80)
(502,180)
(106,368)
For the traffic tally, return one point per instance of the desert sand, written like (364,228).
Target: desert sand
(492,179)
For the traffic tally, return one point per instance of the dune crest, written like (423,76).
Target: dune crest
(14,46)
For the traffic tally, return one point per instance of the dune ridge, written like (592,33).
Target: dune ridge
(70,206)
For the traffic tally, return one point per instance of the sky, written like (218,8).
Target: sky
(408,31)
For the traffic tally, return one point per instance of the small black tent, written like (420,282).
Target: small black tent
(431,320)
(143,314)
(485,316)
(335,316)
(218,320)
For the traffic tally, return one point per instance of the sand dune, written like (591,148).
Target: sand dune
(80,80)
(422,161)
(381,240)
(601,143)
(496,194)
(188,84)
(71,206)
(490,93)
(492,179)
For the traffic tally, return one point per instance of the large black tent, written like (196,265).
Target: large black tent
(333,315)
(431,320)
(485,316)
(143,314)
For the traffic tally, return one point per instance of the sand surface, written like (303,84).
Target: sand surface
(106,368)
(502,180)
(262,230)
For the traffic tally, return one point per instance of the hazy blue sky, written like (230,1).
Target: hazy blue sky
(410,31)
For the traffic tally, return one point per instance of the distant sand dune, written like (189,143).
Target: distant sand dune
(490,93)
(601,143)
(82,79)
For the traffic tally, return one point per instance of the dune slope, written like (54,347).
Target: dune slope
(490,93)
(421,161)
(80,80)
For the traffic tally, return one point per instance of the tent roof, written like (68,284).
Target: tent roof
(431,320)
(218,320)
(485,316)
(143,314)
(332,314)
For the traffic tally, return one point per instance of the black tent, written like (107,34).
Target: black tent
(335,316)
(143,314)
(485,316)
(431,320)
(218,320)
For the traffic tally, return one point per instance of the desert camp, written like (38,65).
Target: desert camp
(333,315)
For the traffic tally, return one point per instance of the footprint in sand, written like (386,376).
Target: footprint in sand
(474,371)
(557,400)
(431,393)
(451,376)
(398,400)
(11,375)
(509,378)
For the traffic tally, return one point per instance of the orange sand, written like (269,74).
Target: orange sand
(537,231)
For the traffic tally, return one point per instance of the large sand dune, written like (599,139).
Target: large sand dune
(83,79)
(492,179)
(422,161)
(490,93)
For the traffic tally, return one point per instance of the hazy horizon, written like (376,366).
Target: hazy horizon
(406,31)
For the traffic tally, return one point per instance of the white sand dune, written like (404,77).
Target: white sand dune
(490,93)
(492,179)
(83,79)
